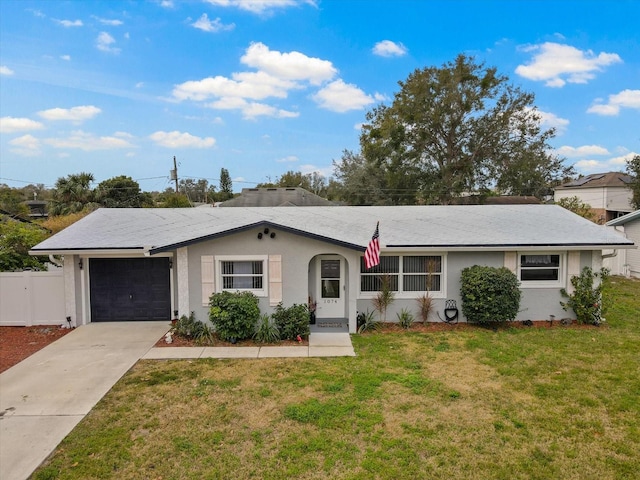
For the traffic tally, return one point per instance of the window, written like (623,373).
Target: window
(244,273)
(540,268)
(407,274)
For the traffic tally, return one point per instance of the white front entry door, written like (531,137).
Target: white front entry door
(331,286)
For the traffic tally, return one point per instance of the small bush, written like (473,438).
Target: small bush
(234,315)
(384,298)
(367,321)
(425,306)
(266,331)
(292,321)
(189,327)
(489,294)
(405,318)
(586,300)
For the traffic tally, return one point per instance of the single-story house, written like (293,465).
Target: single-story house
(151,264)
(629,260)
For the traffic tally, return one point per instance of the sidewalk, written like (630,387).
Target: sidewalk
(320,345)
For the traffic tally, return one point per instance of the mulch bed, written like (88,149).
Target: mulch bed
(17,343)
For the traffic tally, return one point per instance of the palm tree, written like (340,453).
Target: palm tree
(73,194)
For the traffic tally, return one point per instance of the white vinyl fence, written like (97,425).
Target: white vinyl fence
(32,298)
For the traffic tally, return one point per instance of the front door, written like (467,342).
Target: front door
(331,294)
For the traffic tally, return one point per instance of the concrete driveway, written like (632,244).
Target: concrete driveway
(45,396)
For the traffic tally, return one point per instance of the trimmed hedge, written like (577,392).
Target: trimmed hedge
(292,321)
(234,315)
(489,294)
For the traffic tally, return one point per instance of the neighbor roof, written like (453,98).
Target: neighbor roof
(161,229)
(624,219)
(277,197)
(598,180)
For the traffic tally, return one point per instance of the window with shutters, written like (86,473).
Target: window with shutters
(242,273)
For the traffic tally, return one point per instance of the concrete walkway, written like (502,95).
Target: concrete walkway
(46,395)
(320,345)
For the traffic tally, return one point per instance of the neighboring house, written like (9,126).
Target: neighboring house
(37,208)
(608,194)
(145,264)
(627,261)
(277,197)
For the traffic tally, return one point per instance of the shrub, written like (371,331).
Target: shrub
(292,321)
(586,300)
(405,318)
(266,331)
(189,327)
(425,306)
(489,294)
(234,315)
(367,321)
(384,298)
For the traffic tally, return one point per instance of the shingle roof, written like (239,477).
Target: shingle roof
(598,180)
(277,197)
(160,229)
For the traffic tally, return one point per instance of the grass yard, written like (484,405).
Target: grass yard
(517,403)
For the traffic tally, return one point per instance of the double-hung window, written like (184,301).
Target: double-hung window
(540,269)
(407,274)
(242,274)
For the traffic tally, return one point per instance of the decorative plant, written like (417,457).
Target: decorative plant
(384,298)
(367,321)
(489,294)
(292,321)
(425,306)
(266,330)
(405,318)
(196,330)
(586,300)
(234,315)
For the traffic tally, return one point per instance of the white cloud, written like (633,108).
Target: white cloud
(251,110)
(624,99)
(75,114)
(614,164)
(204,24)
(551,120)
(88,142)
(4,70)
(65,57)
(177,139)
(326,172)
(290,66)
(387,48)
(26,146)
(12,124)
(288,159)
(109,22)
(583,151)
(342,97)
(69,23)
(258,6)
(104,43)
(166,3)
(556,64)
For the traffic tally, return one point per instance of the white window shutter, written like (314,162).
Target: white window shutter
(573,268)
(511,261)
(207,278)
(275,279)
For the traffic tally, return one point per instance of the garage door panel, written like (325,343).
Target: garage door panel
(130,289)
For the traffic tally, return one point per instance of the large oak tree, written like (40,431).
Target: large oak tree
(450,131)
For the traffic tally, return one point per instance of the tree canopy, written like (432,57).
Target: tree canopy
(226,187)
(122,192)
(73,194)
(450,131)
(633,169)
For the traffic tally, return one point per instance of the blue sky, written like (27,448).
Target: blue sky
(262,87)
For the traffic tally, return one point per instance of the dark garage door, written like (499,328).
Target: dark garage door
(129,289)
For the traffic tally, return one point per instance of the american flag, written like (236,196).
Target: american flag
(372,253)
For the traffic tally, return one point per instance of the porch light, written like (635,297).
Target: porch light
(80,264)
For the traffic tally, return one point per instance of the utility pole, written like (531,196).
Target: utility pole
(174,173)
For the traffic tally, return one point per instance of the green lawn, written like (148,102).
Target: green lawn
(517,403)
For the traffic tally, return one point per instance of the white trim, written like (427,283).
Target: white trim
(264,292)
(182,260)
(562,269)
(442,293)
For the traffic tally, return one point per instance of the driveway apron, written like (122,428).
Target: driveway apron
(45,396)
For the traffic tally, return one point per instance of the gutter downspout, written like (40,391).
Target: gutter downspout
(57,262)
(610,255)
